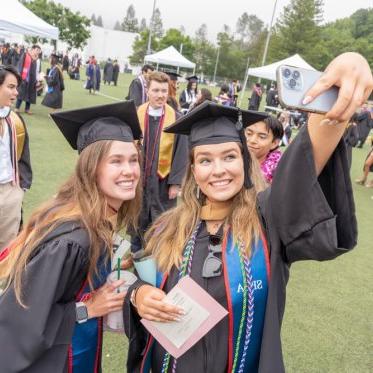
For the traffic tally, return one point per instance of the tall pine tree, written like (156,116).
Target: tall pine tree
(130,22)
(298,30)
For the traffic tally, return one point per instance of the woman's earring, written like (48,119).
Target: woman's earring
(197,192)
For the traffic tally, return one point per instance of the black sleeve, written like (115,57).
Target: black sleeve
(179,160)
(314,216)
(135,331)
(135,92)
(24,164)
(26,334)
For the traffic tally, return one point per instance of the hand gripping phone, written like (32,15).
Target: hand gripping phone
(293,84)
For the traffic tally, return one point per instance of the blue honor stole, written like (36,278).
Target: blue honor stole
(247,291)
(84,353)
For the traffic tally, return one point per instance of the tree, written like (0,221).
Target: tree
(298,30)
(176,38)
(143,25)
(204,52)
(139,47)
(117,26)
(93,19)
(156,24)
(249,27)
(130,22)
(99,22)
(74,27)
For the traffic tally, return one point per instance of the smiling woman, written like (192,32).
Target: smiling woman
(50,317)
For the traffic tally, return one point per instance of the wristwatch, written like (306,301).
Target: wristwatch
(81,312)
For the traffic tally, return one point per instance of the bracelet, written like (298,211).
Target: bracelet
(133,296)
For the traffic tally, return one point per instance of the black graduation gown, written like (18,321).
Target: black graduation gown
(36,339)
(155,193)
(304,217)
(54,98)
(351,138)
(115,73)
(27,89)
(108,72)
(254,102)
(135,92)
(364,125)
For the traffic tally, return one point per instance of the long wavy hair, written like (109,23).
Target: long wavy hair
(166,239)
(79,199)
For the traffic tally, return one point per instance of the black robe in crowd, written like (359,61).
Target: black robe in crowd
(54,99)
(351,137)
(364,125)
(108,72)
(36,339)
(115,73)
(254,101)
(155,192)
(304,217)
(135,92)
(27,89)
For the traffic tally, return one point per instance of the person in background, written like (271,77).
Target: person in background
(108,71)
(15,164)
(55,272)
(165,156)
(272,96)
(203,95)
(27,68)
(55,82)
(284,118)
(263,140)
(234,88)
(172,90)
(65,62)
(116,69)
(223,97)
(256,97)
(364,121)
(138,88)
(93,74)
(189,95)
(368,167)
(351,138)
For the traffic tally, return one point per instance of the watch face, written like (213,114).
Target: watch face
(81,313)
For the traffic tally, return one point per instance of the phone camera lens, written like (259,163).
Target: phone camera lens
(286,73)
(292,83)
(296,74)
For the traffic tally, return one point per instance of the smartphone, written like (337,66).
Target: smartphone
(293,84)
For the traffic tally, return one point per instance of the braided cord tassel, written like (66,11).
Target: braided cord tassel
(186,268)
(250,311)
(243,314)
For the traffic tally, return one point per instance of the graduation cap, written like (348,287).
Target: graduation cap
(210,123)
(172,75)
(192,78)
(83,127)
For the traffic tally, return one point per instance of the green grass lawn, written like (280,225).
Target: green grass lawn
(328,324)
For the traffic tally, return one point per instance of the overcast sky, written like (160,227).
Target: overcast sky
(192,13)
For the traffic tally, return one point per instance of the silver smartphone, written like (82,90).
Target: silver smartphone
(293,84)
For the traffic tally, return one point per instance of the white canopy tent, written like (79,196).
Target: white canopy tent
(171,57)
(16,18)
(269,71)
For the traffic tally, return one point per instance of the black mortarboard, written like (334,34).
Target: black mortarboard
(172,75)
(83,127)
(192,78)
(211,123)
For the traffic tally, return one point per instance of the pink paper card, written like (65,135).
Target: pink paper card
(203,312)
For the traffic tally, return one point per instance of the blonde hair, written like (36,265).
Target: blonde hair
(79,199)
(166,239)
